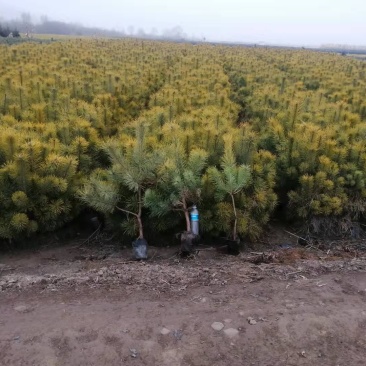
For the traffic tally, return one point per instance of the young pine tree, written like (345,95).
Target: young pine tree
(229,181)
(180,183)
(133,169)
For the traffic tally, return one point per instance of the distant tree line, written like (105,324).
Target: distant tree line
(26,25)
(46,26)
(62,28)
(5,31)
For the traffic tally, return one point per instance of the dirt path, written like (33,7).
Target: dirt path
(77,312)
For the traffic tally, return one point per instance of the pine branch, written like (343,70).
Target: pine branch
(126,211)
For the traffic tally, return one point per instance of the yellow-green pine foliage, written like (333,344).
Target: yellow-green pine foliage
(296,119)
(308,109)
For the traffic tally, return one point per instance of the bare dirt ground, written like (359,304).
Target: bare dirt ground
(83,306)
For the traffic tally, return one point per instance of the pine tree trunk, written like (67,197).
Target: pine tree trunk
(141,229)
(139,221)
(236,218)
(186,215)
(187,237)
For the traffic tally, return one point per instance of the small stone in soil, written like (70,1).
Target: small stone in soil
(251,321)
(165,331)
(23,309)
(134,353)
(217,326)
(231,332)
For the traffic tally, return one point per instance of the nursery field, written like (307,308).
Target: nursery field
(140,131)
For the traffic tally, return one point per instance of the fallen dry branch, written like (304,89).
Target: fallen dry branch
(297,236)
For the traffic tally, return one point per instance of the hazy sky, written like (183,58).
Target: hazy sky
(305,22)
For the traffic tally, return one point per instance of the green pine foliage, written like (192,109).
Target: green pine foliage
(179,182)
(122,187)
(229,181)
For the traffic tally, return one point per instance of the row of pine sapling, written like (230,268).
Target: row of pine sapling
(224,128)
(164,181)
